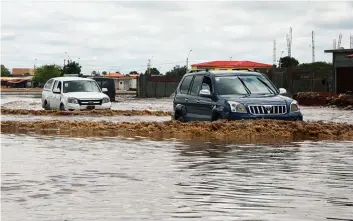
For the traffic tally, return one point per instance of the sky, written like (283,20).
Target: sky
(121,36)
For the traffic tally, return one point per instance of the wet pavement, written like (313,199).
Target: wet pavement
(62,178)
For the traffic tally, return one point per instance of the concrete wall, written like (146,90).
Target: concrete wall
(156,86)
(296,80)
(303,80)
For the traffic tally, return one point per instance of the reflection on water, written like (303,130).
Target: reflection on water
(53,178)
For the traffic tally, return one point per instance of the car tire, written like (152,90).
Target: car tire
(46,105)
(62,107)
(181,119)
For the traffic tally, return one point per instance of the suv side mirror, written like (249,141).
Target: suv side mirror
(282,91)
(205,93)
(56,90)
(104,89)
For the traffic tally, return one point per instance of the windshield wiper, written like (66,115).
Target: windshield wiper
(268,87)
(246,88)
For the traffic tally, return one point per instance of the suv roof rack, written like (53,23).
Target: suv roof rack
(242,69)
(198,70)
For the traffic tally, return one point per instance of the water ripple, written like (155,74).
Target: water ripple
(134,179)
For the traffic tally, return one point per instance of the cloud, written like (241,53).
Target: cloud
(122,36)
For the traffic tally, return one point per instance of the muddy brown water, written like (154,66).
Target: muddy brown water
(62,178)
(57,177)
(163,104)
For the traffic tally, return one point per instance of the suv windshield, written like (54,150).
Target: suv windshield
(80,86)
(244,85)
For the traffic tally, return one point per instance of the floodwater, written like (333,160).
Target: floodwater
(79,179)
(163,104)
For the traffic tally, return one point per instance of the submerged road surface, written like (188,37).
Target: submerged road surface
(74,179)
(164,104)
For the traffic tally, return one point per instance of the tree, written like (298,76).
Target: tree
(45,72)
(319,65)
(71,67)
(286,62)
(104,73)
(133,72)
(153,71)
(177,71)
(94,73)
(4,71)
(27,74)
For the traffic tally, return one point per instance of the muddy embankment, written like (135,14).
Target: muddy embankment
(246,131)
(328,99)
(6,111)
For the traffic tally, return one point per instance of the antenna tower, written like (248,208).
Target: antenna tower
(313,46)
(339,41)
(334,43)
(274,52)
(289,42)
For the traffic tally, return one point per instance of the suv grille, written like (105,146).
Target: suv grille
(90,102)
(268,109)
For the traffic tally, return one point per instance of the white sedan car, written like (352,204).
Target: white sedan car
(74,93)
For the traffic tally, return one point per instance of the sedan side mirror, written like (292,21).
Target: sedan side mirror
(56,91)
(205,93)
(104,89)
(282,91)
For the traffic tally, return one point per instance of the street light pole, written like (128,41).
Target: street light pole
(187,61)
(68,56)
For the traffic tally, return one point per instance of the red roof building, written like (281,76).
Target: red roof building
(229,65)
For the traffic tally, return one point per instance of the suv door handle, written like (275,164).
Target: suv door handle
(186,100)
(197,101)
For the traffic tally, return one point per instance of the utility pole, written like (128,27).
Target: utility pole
(187,61)
(274,52)
(313,46)
(34,66)
(149,66)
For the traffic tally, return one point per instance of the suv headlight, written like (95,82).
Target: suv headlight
(237,107)
(72,100)
(106,100)
(294,106)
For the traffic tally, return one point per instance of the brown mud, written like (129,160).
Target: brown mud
(6,111)
(344,101)
(250,131)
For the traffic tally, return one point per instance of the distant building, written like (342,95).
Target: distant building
(342,63)
(229,65)
(16,72)
(123,82)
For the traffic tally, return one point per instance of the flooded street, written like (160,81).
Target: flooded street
(162,104)
(60,177)
(56,178)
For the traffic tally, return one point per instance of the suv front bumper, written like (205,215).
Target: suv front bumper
(296,116)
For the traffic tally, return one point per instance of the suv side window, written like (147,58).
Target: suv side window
(49,84)
(196,85)
(207,83)
(59,85)
(184,87)
(55,84)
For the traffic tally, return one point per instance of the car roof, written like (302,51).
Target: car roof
(72,79)
(219,73)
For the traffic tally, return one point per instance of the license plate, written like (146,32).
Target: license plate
(90,107)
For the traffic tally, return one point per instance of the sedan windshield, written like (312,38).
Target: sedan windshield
(80,86)
(244,85)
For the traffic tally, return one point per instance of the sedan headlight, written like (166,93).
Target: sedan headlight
(106,100)
(72,100)
(294,106)
(237,107)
